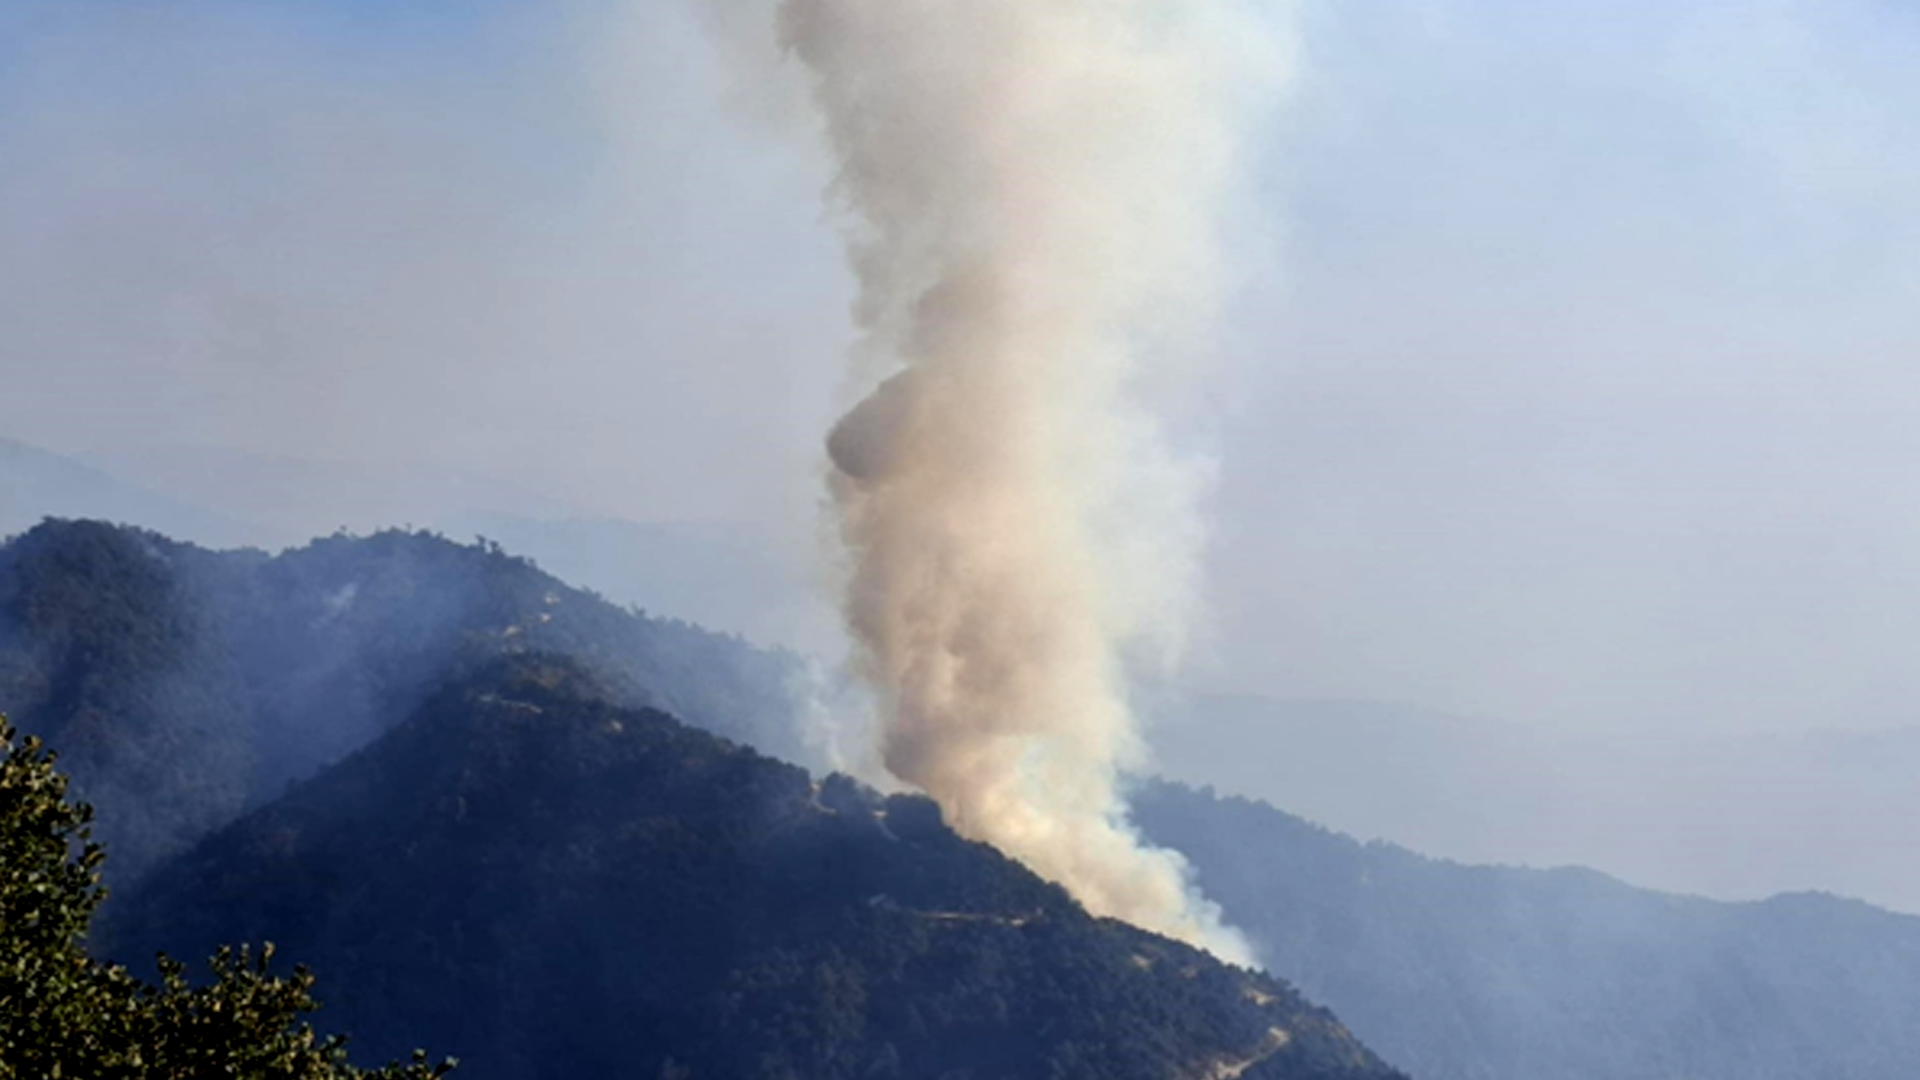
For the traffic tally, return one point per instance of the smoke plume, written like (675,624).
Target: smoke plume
(1035,190)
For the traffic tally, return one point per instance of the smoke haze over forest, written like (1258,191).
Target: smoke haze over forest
(1568,381)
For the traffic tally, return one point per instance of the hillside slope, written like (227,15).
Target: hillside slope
(183,686)
(552,886)
(1489,973)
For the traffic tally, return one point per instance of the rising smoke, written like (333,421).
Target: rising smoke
(1036,190)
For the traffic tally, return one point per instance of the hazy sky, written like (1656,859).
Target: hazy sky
(1575,379)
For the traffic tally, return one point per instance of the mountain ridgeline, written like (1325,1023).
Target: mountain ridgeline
(453,786)
(183,687)
(1497,973)
(463,791)
(548,884)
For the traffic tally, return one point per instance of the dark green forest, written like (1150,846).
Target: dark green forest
(553,885)
(64,1013)
(459,789)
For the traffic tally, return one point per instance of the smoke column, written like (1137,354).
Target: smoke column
(1035,190)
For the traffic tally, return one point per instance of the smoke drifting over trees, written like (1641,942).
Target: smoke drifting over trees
(1034,193)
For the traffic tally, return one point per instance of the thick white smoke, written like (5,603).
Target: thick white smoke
(1036,191)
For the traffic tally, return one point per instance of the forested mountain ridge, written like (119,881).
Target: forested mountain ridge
(183,686)
(548,884)
(189,687)
(1494,973)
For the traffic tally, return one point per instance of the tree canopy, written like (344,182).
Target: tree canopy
(65,1014)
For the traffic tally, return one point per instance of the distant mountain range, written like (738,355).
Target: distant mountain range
(449,781)
(1490,973)
(1734,816)
(36,484)
(288,499)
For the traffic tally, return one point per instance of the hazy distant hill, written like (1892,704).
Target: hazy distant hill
(291,499)
(1484,973)
(36,484)
(1735,816)
(183,686)
(551,886)
(726,576)
(722,575)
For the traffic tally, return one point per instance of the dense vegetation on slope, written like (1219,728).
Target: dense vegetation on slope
(1486,973)
(63,1013)
(189,686)
(554,886)
(184,686)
